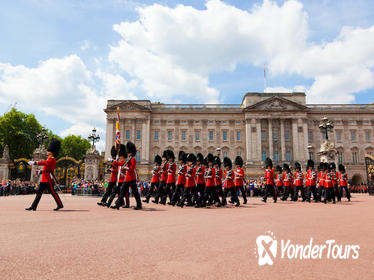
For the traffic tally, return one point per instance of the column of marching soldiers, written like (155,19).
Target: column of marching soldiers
(200,182)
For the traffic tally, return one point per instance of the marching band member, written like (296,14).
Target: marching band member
(155,178)
(190,181)
(46,182)
(112,180)
(181,180)
(239,178)
(299,182)
(310,181)
(343,181)
(269,181)
(228,184)
(287,182)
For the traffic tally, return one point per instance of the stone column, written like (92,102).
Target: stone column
(148,140)
(295,143)
(91,164)
(109,140)
(143,156)
(133,136)
(258,142)
(4,164)
(305,133)
(248,137)
(270,127)
(283,144)
(38,155)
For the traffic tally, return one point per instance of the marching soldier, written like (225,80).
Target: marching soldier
(119,176)
(321,181)
(239,178)
(200,182)
(269,181)
(46,182)
(218,177)
(161,191)
(228,184)
(329,188)
(170,181)
(335,181)
(181,180)
(310,181)
(279,180)
(112,180)
(343,181)
(155,178)
(287,182)
(299,183)
(210,185)
(190,181)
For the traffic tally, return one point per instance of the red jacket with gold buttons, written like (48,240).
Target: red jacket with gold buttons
(49,166)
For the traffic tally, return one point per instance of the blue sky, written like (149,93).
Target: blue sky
(79,36)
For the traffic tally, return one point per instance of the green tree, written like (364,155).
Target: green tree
(74,146)
(19,130)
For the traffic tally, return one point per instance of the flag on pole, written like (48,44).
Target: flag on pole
(118,133)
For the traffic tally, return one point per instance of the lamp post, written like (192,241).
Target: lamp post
(326,126)
(42,136)
(309,147)
(93,137)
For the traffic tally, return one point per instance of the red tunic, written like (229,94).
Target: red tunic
(190,177)
(156,174)
(114,171)
(335,178)
(269,177)
(328,179)
(200,171)
(182,175)
(49,166)
(343,179)
(287,179)
(218,177)
(299,177)
(229,179)
(279,180)
(310,178)
(164,171)
(239,177)
(209,177)
(171,173)
(130,170)
(321,179)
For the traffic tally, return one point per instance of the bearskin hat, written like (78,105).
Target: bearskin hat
(326,166)
(122,151)
(191,157)
(205,162)
(165,154)
(210,158)
(239,161)
(217,160)
(286,167)
(113,152)
(278,168)
(54,147)
(227,162)
(131,148)
(310,163)
(157,159)
(297,165)
(182,156)
(332,165)
(341,168)
(320,166)
(170,154)
(199,157)
(268,162)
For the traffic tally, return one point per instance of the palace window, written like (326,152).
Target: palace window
(353,135)
(224,122)
(127,134)
(339,136)
(287,135)
(224,154)
(263,135)
(170,135)
(263,156)
(156,121)
(183,122)
(311,155)
(239,154)
(354,157)
(238,136)
(170,122)
(197,135)
(340,157)
(211,135)
(276,158)
(137,157)
(288,156)
(183,135)
(156,136)
(310,136)
(138,135)
(224,135)
(275,136)
(210,122)
(139,121)
(368,136)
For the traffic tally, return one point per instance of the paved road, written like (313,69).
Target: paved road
(85,241)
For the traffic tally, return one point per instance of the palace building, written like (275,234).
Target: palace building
(276,125)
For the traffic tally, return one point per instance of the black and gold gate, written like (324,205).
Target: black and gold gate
(67,169)
(19,169)
(369,160)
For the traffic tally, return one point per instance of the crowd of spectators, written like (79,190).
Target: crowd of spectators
(16,187)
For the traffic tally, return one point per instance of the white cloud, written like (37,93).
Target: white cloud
(85,45)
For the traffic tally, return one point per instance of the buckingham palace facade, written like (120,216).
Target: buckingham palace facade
(275,125)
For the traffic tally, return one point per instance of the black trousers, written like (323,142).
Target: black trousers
(270,189)
(219,191)
(187,195)
(161,191)
(108,191)
(309,190)
(43,186)
(211,194)
(115,191)
(338,192)
(170,188)
(243,191)
(199,193)
(288,190)
(302,190)
(347,192)
(234,197)
(152,190)
(125,191)
(179,189)
(329,194)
